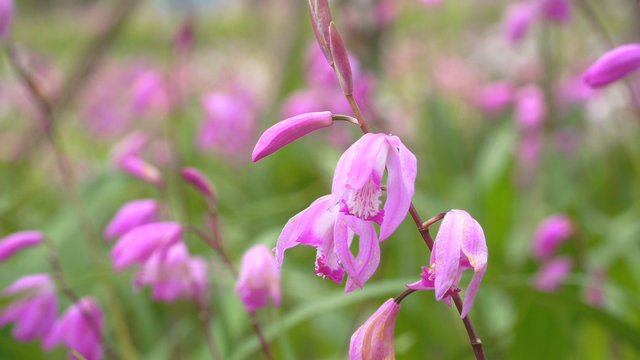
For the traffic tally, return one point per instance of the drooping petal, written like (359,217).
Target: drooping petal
(473,245)
(368,257)
(341,238)
(446,251)
(289,130)
(402,170)
(472,289)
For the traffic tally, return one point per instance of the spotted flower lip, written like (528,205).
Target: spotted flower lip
(358,176)
(259,278)
(131,215)
(613,65)
(289,130)
(137,246)
(34,310)
(459,245)
(331,231)
(374,339)
(17,241)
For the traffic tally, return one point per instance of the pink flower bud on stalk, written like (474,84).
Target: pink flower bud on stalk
(556,10)
(320,19)
(142,170)
(259,278)
(289,130)
(613,65)
(131,215)
(137,246)
(374,339)
(531,108)
(6,17)
(551,232)
(17,241)
(35,308)
(130,145)
(459,245)
(517,20)
(196,178)
(341,60)
(552,274)
(79,329)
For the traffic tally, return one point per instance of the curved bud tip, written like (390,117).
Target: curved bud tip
(341,60)
(613,65)
(196,178)
(288,130)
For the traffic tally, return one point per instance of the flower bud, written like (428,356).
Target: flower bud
(131,215)
(341,60)
(517,20)
(374,339)
(142,170)
(531,108)
(196,178)
(259,278)
(613,65)
(320,19)
(15,242)
(288,130)
(551,232)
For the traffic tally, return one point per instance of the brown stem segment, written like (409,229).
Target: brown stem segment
(423,228)
(403,295)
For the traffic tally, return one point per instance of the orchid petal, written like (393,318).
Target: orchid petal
(368,151)
(399,193)
(472,289)
(341,237)
(368,257)
(473,244)
(447,254)
(342,171)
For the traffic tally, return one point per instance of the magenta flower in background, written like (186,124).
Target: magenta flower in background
(259,278)
(196,178)
(517,19)
(613,65)
(496,96)
(129,146)
(174,275)
(142,170)
(550,234)
(130,216)
(594,290)
(322,225)
(137,246)
(356,182)
(556,10)
(552,273)
(35,308)
(229,124)
(17,241)
(289,130)
(459,245)
(6,17)
(374,339)
(531,108)
(149,92)
(79,329)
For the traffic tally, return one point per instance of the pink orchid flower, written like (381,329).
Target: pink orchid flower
(459,245)
(137,246)
(552,274)
(358,176)
(550,234)
(17,241)
(259,278)
(34,310)
(374,339)
(79,329)
(131,215)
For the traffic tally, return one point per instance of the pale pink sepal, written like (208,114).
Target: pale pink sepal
(289,130)
(259,278)
(613,65)
(341,60)
(374,339)
(17,241)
